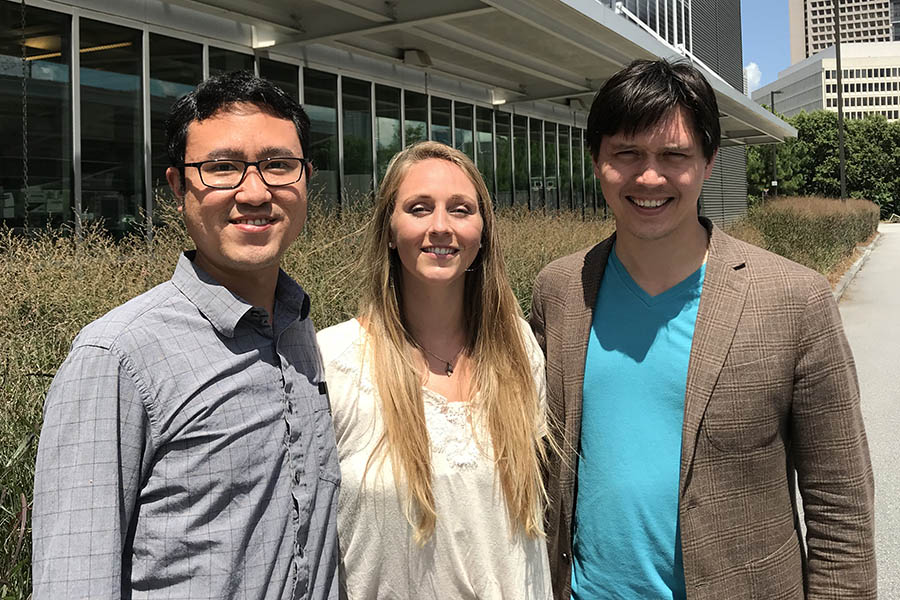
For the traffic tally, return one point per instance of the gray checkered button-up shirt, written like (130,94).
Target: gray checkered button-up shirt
(187,452)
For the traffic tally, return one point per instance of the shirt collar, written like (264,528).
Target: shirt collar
(223,308)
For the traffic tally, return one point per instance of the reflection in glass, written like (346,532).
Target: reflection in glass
(111,125)
(591,190)
(49,111)
(416,113)
(176,67)
(357,121)
(463,128)
(520,151)
(504,158)
(565,176)
(578,170)
(283,75)
(320,102)
(440,120)
(387,125)
(485,144)
(223,61)
(537,164)
(551,191)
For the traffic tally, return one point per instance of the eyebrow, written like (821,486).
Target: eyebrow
(237,153)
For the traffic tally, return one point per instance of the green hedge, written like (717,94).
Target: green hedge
(816,232)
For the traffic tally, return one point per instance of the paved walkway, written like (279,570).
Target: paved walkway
(870,308)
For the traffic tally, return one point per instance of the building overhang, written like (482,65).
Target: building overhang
(558,51)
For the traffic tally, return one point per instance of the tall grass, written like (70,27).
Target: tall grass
(813,231)
(52,287)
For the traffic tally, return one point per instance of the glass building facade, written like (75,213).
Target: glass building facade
(83,104)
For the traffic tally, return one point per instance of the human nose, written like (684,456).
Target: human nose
(440,220)
(253,190)
(649,173)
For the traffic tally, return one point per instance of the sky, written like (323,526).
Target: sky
(764,32)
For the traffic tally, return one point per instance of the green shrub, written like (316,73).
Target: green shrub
(816,232)
(52,287)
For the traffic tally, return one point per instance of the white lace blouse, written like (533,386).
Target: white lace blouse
(474,553)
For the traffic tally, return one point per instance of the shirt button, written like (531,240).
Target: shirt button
(565,556)
(288,387)
(297,477)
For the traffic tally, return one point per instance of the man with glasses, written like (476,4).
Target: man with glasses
(187,449)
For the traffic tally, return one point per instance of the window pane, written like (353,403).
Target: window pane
(551,191)
(537,164)
(283,75)
(484,126)
(223,61)
(416,113)
(440,120)
(357,108)
(49,118)
(320,102)
(565,176)
(577,171)
(387,125)
(520,149)
(111,125)
(463,127)
(176,67)
(504,158)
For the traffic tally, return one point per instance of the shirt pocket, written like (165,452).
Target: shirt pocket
(326,446)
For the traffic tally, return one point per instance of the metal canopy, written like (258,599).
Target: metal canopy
(523,50)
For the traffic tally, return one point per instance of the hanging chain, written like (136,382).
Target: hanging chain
(24,115)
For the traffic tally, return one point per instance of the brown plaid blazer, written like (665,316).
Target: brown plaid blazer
(771,391)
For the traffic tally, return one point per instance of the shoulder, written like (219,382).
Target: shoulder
(142,314)
(766,270)
(336,340)
(557,273)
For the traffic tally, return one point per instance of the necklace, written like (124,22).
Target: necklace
(449,364)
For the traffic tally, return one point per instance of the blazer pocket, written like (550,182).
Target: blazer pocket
(750,404)
(779,576)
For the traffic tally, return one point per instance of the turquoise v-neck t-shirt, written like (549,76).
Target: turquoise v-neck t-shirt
(626,542)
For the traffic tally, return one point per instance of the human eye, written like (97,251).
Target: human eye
(418,209)
(280,165)
(464,209)
(222,167)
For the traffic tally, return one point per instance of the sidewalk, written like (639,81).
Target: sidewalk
(870,308)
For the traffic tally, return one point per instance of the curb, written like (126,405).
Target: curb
(847,278)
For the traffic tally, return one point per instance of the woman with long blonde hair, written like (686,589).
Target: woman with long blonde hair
(437,393)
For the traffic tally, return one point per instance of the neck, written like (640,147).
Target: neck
(660,264)
(434,316)
(256,287)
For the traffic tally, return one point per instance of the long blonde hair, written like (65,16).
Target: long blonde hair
(501,372)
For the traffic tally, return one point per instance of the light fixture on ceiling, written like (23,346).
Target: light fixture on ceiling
(416,58)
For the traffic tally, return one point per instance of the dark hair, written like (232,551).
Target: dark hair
(644,93)
(220,92)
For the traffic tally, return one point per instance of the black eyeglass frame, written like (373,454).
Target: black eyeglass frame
(305,164)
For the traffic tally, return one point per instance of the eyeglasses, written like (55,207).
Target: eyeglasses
(228,173)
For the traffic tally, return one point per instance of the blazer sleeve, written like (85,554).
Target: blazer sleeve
(536,318)
(831,456)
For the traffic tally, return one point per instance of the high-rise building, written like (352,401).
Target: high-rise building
(870,78)
(811,24)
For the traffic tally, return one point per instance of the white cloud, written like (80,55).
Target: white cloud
(753,75)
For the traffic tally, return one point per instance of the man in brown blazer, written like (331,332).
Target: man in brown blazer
(696,383)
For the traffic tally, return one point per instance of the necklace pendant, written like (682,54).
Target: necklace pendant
(449,369)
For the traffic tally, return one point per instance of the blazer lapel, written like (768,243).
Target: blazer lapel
(581,297)
(721,304)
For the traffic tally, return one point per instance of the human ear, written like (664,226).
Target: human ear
(173,176)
